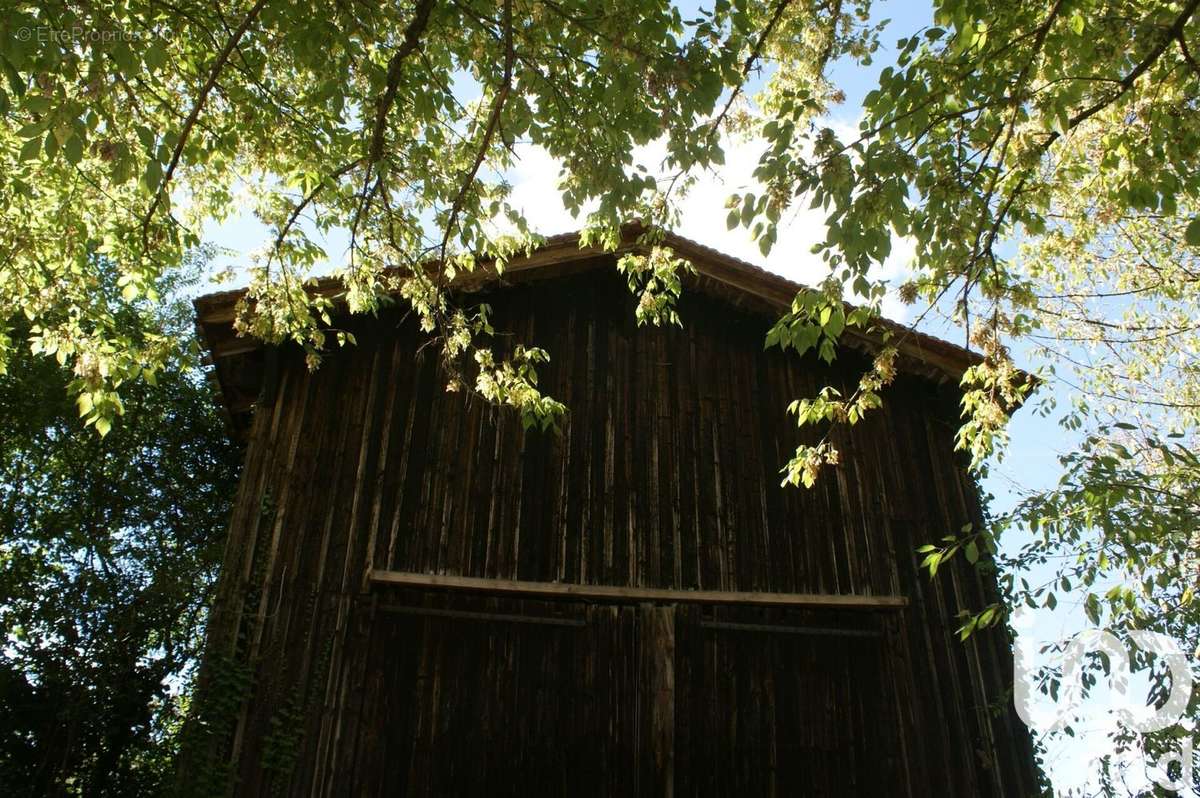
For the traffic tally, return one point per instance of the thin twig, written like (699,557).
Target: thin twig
(287,226)
(752,59)
(489,133)
(213,73)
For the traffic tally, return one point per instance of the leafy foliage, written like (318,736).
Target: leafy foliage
(986,128)
(656,280)
(107,549)
(126,128)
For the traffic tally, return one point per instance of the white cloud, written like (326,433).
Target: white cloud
(535,191)
(535,194)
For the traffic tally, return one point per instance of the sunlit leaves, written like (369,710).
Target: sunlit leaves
(973,136)
(391,125)
(513,383)
(809,323)
(655,279)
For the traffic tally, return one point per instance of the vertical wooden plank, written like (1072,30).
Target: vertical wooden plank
(657,633)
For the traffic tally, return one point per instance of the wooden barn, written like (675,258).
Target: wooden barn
(420,598)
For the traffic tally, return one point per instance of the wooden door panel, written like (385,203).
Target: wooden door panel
(504,697)
(781,704)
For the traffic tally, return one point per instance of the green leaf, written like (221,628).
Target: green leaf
(31,149)
(146,137)
(122,169)
(1192,233)
(836,323)
(154,56)
(1062,120)
(152,176)
(73,150)
(32,130)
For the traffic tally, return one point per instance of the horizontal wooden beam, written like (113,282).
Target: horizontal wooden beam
(606,593)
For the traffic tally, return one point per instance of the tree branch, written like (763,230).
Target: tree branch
(1187,55)
(213,73)
(1172,33)
(304,202)
(489,133)
(755,54)
(411,41)
(408,45)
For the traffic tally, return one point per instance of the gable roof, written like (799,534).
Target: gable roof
(238,362)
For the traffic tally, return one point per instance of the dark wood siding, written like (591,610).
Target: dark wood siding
(665,474)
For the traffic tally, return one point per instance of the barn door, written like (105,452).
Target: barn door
(502,696)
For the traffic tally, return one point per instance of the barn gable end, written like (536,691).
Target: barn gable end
(431,600)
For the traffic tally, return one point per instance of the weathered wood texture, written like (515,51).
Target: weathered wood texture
(665,475)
